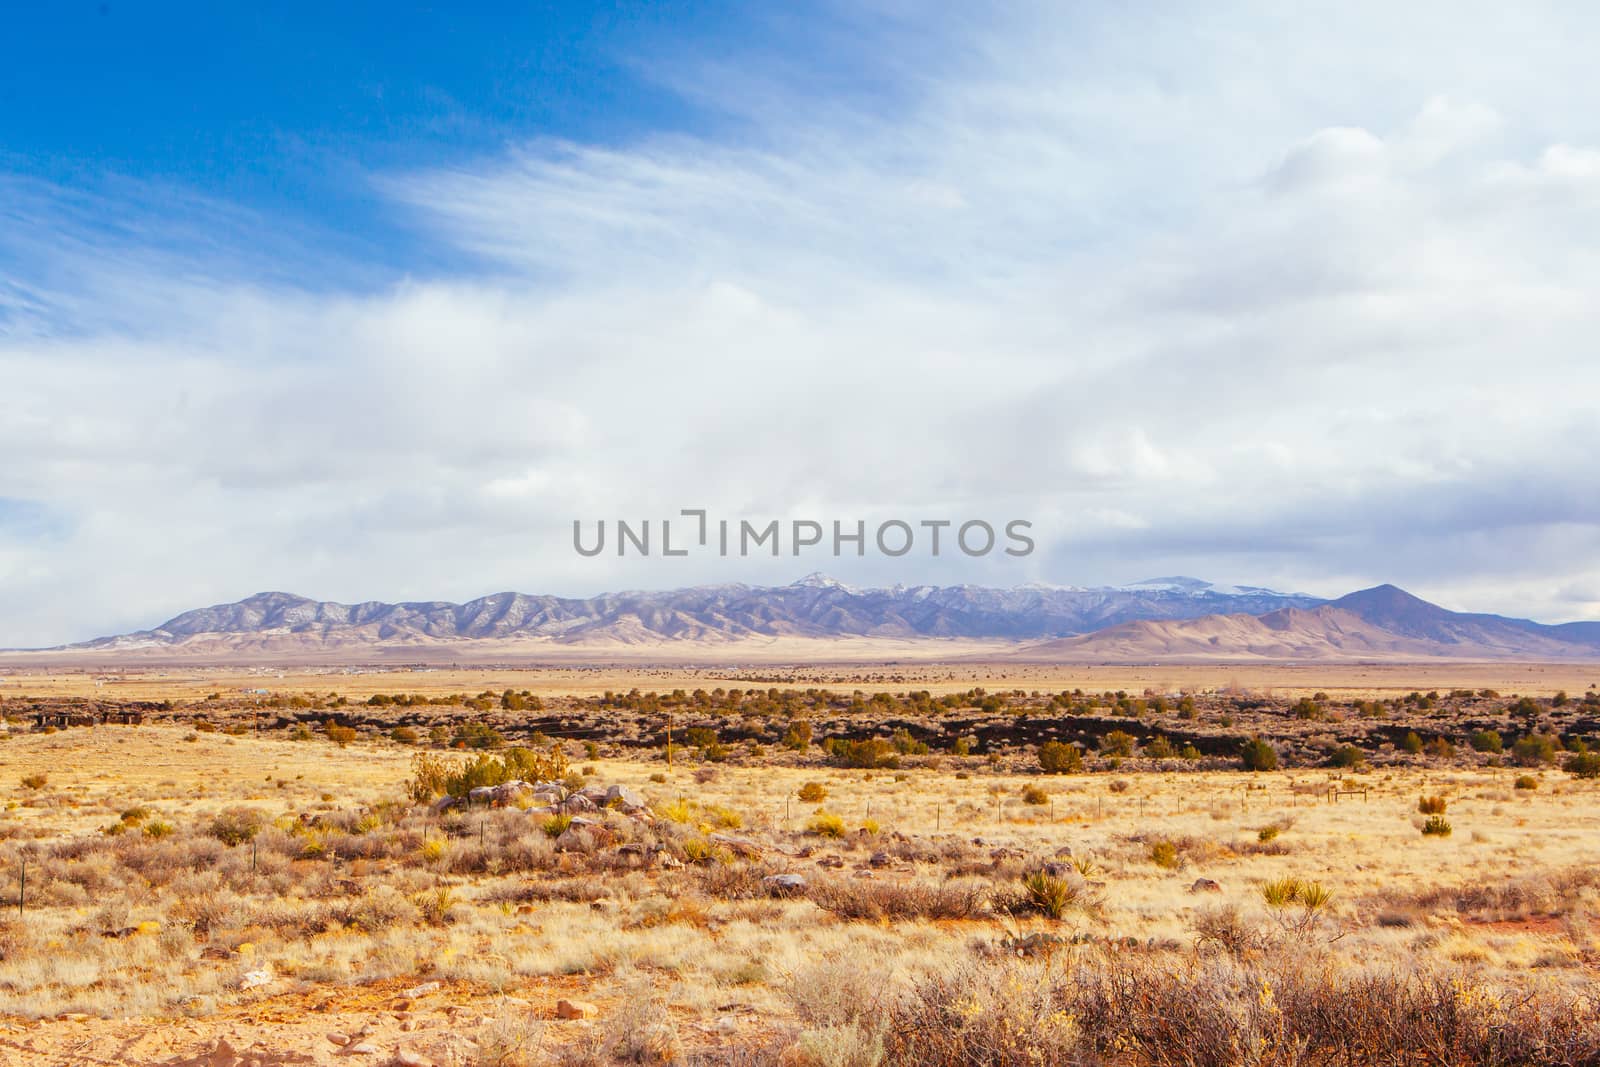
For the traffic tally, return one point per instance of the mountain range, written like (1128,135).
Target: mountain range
(1165,619)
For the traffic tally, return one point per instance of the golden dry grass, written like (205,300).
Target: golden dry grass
(1496,897)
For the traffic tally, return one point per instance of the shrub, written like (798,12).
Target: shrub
(1117,743)
(1486,741)
(875,901)
(556,825)
(234,826)
(1049,894)
(1164,854)
(1058,757)
(1259,755)
(35,781)
(1347,756)
(1436,826)
(869,754)
(1267,833)
(1411,743)
(825,825)
(1032,794)
(340,735)
(1431,805)
(1533,750)
(813,793)
(157,828)
(1526,781)
(1583,765)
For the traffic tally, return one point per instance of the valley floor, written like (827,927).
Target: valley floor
(356,927)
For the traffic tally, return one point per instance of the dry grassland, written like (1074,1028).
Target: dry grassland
(965,911)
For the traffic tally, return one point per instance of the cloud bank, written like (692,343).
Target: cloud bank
(1305,304)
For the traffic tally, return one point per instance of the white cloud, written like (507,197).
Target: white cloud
(1280,301)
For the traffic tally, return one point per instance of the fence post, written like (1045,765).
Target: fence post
(22,886)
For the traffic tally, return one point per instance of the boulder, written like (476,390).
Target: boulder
(1205,885)
(784,885)
(575,1009)
(483,794)
(624,798)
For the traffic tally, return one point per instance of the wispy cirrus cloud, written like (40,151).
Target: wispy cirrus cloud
(1289,302)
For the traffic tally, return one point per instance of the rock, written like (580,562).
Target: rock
(404,1057)
(575,1009)
(423,990)
(483,794)
(784,885)
(739,846)
(443,804)
(579,802)
(254,979)
(880,859)
(1064,852)
(1205,885)
(620,796)
(506,792)
(831,862)
(337,1038)
(595,794)
(365,1048)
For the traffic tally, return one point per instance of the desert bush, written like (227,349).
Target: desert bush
(1259,755)
(1049,894)
(1486,741)
(1436,826)
(1525,781)
(1117,743)
(1164,854)
(1583,765)
(873,900)
(1534,750)
(1058,757)
(1432,805)
(556,825)
(234,826)
(35,781)
(824,824)
(1347,756)
(813,793)
(870,753)
(1034,795)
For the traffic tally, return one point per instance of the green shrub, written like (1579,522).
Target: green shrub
(1534,750)
(1259,755)
(1583,765)
(1487,741)
(1526,781)
(1058,757)
(1117,743)
(234,826)
(1032,794)
(1431,805)
(1347,756)
(1050,895)
(1436,826)
(1164,854)
(813,793)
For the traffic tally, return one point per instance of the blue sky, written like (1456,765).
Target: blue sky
(371,304)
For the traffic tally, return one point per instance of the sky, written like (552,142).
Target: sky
(372,302)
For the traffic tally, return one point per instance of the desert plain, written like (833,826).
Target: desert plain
(829,864)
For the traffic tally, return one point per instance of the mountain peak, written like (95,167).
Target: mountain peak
(818,580)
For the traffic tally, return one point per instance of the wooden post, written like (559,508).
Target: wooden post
(22,886)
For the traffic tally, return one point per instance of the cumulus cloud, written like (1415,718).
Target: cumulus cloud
(1248,298)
